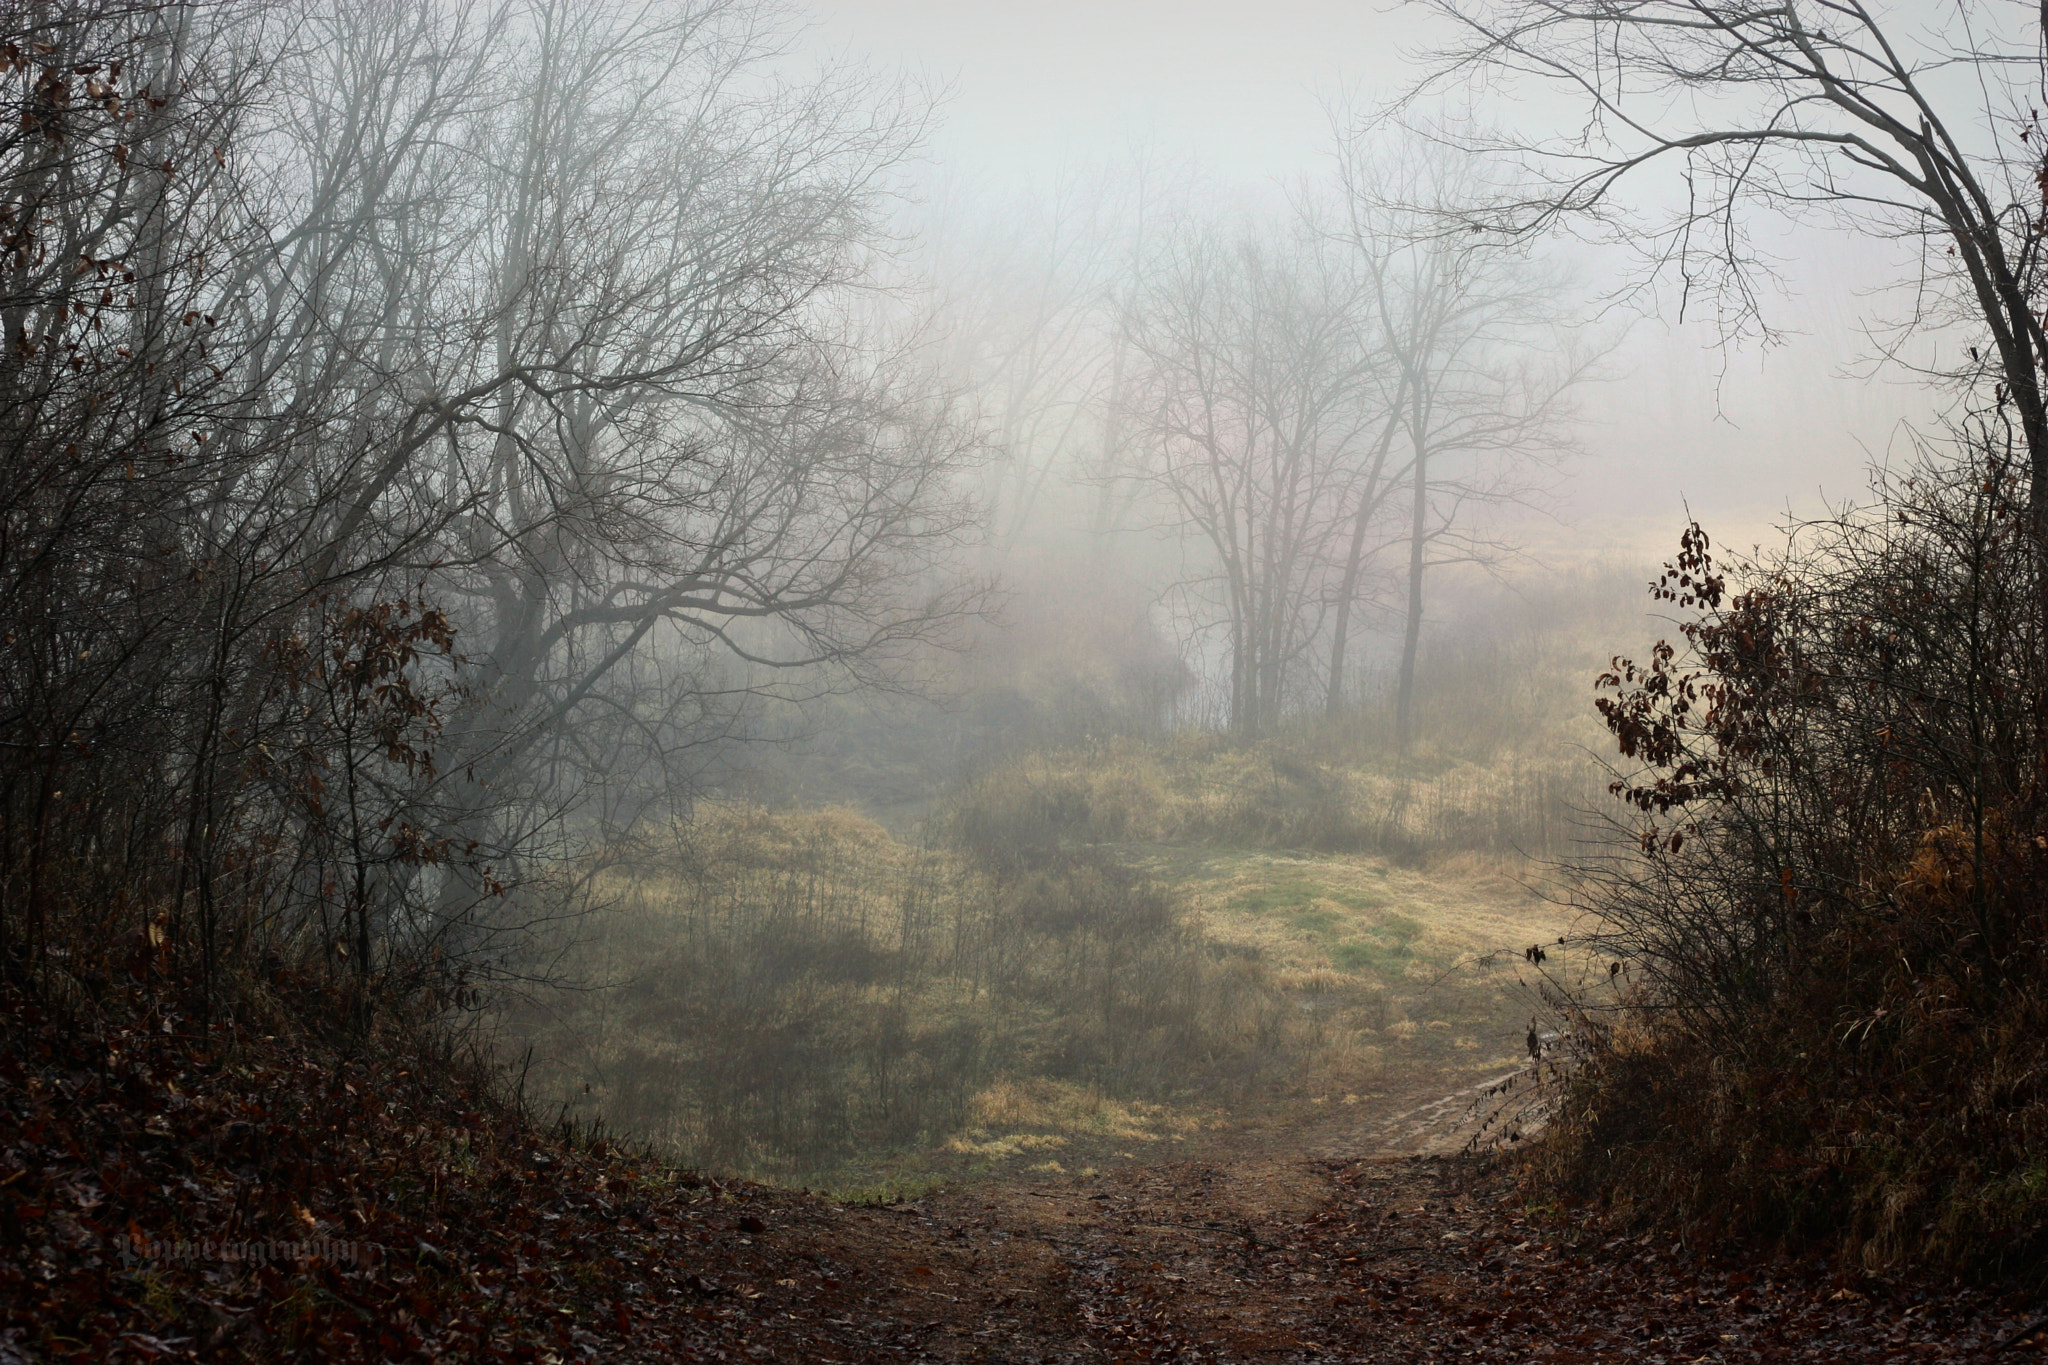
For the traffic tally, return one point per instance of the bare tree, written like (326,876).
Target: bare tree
(1254,397)
(1480,364)
(695,441)
(114,202)
(1023,289)
(1929,136)
(454,385)
(643,432)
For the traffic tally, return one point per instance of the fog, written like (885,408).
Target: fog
(1034,97)
(862,586)
(863,679)
(1122,846)
(1084,783)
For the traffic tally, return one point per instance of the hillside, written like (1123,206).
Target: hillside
(798,996)
(174,1192)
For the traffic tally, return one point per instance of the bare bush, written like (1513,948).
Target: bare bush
(1821,1011)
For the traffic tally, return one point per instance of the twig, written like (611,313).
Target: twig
(2012,1339)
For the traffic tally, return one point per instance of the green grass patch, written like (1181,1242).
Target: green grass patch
(1388,959)
(1386,948)
(1398,927)
(893,1189)
(1299,894)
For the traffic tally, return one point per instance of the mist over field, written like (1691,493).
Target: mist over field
(619,614)
(1200,293)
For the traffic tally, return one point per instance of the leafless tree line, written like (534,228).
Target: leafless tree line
(424,427)
(1311,405)
(1684,126)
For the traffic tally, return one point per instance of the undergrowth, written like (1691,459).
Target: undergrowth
(794,994)
(1823,1014)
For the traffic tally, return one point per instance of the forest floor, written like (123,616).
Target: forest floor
(168,1192)
(171,1190)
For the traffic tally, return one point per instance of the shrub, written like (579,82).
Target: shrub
(1825,945)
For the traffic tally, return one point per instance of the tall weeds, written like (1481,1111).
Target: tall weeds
(785,992)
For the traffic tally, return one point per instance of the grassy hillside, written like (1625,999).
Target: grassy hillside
(802,995)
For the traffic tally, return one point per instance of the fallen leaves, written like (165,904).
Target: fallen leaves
(223,1196)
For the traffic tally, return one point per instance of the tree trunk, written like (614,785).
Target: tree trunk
(1354,567)
(1240,679)
(1418,528)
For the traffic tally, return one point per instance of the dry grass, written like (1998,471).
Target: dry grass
(1365,918)
(1402,972)
(789,993)
(799,995)
(1289,794)
(1015,1117)
(1078,964)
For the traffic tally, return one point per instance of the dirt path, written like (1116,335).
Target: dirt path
(156,1204)
(1393,1257)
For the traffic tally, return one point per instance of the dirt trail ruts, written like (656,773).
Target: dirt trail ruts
(1389,1258)
(1444,1125)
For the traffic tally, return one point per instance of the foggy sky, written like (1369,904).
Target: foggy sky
(1240,90)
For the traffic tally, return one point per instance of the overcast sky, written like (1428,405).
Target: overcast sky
(1238,88)
(1040,85)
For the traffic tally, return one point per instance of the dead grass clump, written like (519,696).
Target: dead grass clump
(1288,792)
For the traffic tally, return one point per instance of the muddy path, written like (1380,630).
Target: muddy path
(1388,1259)
(1264,1256)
